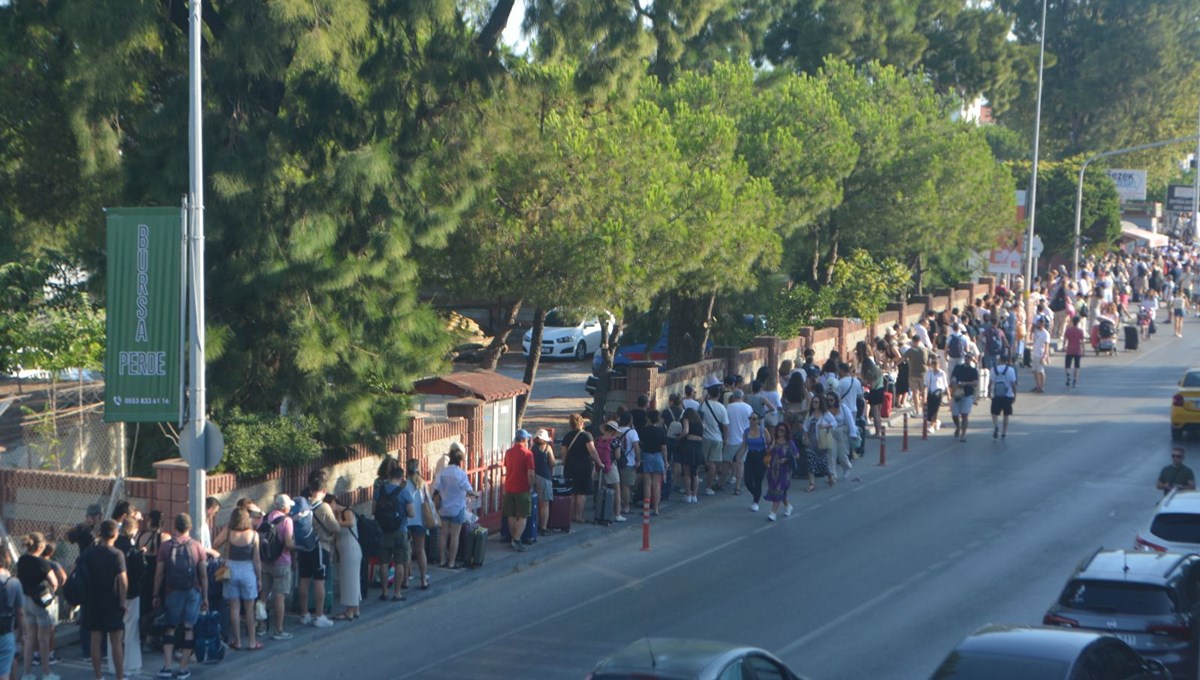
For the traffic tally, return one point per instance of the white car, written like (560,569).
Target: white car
(568,334)
(1175,526)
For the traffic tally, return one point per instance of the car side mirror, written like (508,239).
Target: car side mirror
(1156,667)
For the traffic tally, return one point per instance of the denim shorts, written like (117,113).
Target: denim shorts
(8,649)
(460,518)
(653,464)
(242,584)
(183,607)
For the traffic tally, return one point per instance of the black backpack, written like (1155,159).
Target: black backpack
(76,588)
(618,451)
(270,543)
(8,611)
(995,346)
(181,566)
(369,536)
(387,510)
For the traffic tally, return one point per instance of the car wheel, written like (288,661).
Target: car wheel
(580,351)
(1176,433)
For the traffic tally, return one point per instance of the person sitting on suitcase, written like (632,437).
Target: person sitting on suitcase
(519,479)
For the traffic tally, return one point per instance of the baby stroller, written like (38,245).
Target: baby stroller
(1104,337)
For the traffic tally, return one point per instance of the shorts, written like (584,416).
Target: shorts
(610,476)
(1073,358)
(8,650)
(875,397)
(653,464)
(1002,406)
(36,614)
(730,452)
(1039,364)
(459,518)
(277,579)
(183,608)
(961,406)
(516,504)
(242,584)
(1178,313)
(627,476)
(712,450)
(415,530)
(395,547)
(314,563)
(544,488)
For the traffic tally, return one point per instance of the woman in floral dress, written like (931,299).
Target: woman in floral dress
(780,461)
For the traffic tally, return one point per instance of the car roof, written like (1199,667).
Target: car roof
(673,656)
(1181,501)
(1034,642)
(1129,565)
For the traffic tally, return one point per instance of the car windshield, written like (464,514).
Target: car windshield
(1192,379)
(563,318)
(1116,597)
(1177,527)
(977,666)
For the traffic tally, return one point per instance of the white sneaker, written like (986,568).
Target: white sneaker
(619,518)
(732,479)
(754,507)
(787,512)
(306,620)
(771,517)
(709,492)
(323,621)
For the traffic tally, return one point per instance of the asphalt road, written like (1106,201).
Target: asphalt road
(872,579)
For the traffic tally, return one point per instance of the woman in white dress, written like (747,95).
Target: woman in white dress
(350,560)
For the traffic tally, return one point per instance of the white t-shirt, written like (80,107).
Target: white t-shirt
(691,403)
(1004,381)
(713,413)
(631,438)
(922,335)
(1041,341)
(935,380)
(452,485)
(739,413)
(850,390)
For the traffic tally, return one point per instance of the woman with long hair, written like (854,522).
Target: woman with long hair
(819,439)
(780,461)
(350,557)
(936,385)
(423,521)
(579,459)
(755,442)
(654,459)
(39,583)
(691,451)
(243,558)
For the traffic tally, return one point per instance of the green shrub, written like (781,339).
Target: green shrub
(256,444)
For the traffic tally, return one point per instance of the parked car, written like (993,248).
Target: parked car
(680,659)
(1175,526)
(1185,405)
(1150,600)
(568,334)
(1006,652)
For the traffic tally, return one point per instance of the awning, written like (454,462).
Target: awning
(484,385)
(1131,232)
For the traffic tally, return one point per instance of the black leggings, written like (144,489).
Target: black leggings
(754,472)
(933,402)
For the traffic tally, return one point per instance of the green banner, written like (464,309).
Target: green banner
(145,315)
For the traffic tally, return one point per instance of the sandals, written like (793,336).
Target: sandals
(812,488)
(235,646)
(255,647)
(397,598)
(343,617)
(425,583)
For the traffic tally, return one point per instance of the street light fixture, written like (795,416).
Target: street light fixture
(1083,170)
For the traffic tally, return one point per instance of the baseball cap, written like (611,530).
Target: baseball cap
(522,434)
(94,510)
(283,502)
(711,382)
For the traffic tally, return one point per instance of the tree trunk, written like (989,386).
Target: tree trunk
(491,355)
(831,259)
(489,35)
(688,329)
(919,277)
(608,352)
(531,363)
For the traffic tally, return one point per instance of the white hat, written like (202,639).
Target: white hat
(283,502)
(612,424)
(542,435)
(457,446)
(712,382)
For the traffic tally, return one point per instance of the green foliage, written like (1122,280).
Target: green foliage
(256,444)
(1058,187)
(862,287)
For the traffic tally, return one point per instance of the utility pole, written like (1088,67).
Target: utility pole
(195,445)
(1033,180)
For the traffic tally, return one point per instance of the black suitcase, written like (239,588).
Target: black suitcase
(606,506)
(1131,338)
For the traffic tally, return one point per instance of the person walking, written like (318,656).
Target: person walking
(755,442)
(1004,393)
(182,569)
(843,433)
(12,615)
(277,565)
(543,470)
(654,459)
(107,586)
(519,479)
(1040,350)
(423,521)
(780,461)
(963,382)
(244,559)
(716,422)
(393,508)
(579,459)
(349,559)
(936,386)
(1176,476)
(738,413)
(453,489)
(39,584)
(1179,305)
(1073,350)
(819,430)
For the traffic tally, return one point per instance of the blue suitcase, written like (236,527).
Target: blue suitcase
(529,535)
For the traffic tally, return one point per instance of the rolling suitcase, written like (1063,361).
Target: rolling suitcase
(605,503)
(985,385)
(472,545)
(560,514)
(1131,338)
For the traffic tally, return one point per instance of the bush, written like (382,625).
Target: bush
(256,444)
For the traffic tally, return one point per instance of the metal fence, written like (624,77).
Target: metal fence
(71,439)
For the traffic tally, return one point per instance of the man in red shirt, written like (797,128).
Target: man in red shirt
(518,482)
(1073,343)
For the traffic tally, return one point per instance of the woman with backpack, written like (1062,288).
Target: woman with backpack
(244,560)
(349,555)
(39,583)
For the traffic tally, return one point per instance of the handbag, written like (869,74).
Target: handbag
(824,439)
(428,516)
(223,574)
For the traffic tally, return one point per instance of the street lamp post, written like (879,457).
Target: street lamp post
(1037,130)
(1083,170)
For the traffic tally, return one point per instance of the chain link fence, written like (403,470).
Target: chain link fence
(70,439)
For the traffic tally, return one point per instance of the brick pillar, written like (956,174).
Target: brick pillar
(472,411)
(842,326)
(771,344)
(171,488)
(641,378)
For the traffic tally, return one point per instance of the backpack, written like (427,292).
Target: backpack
(1000,387)
(181,566)
(387,510)
(369,536)
(75,590)
(995,346)
(955,346)
(1059,303)
(303,531)
(270,543)
(618,451)
(209,648)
